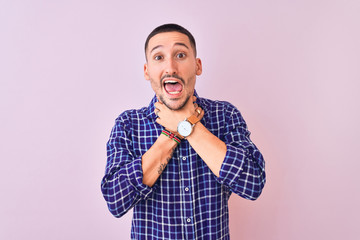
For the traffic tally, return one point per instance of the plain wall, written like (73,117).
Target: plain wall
(69,68)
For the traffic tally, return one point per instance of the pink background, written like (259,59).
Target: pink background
(69,68)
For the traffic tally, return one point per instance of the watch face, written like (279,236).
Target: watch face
(184,128)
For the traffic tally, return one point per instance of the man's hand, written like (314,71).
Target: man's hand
(170,118)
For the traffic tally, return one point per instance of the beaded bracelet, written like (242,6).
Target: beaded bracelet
(171,136)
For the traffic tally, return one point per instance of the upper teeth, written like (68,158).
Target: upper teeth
(169,81)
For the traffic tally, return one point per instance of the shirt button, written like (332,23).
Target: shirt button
(186,189)
(184,158)
(188,220)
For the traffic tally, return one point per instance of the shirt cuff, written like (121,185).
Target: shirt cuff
(231,166)
(135,174)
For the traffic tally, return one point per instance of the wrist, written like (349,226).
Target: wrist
(198,127)
(171,135)
(185,127)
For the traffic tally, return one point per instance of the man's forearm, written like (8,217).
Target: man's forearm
(156,158)
(209,147)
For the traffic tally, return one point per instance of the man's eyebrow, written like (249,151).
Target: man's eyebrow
(182,44)
(178,43)
(158,46)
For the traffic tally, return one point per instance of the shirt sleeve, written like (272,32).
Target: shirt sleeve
(243,169)
(122,185)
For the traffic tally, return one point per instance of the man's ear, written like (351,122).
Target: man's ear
(146,74)
(198,66)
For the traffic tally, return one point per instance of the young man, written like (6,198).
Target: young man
(177,161)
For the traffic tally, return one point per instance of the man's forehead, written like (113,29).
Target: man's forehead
(169,39)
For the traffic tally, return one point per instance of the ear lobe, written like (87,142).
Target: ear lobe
(146,74)
(198,66)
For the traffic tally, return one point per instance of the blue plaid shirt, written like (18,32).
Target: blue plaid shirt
(187,201)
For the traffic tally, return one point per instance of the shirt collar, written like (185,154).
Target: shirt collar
(151,108)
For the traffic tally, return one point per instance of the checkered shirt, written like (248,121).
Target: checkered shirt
(187,201)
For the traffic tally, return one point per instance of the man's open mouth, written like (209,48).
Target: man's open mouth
(173,87)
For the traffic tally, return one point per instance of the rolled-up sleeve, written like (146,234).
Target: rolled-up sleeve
(122,185)
(243,169)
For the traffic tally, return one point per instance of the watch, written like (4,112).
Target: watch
(185,127)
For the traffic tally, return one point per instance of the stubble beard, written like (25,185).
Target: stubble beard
(167,104)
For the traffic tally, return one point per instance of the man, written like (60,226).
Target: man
(177,161)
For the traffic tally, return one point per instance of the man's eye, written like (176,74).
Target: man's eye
(180,55)
(157,58)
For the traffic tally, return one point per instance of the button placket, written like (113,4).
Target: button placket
(186,177)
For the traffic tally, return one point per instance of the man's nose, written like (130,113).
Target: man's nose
(171,67)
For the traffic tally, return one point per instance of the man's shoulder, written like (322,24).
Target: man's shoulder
(132,114)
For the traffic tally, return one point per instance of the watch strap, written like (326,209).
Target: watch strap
(193,119)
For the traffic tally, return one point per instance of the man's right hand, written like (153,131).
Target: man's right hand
(170,118)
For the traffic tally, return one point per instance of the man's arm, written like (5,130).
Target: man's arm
(122,185)
(154,161)
(129,178)
(209,147)
(235,160)
(241,167)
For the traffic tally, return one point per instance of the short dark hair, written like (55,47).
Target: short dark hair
(171,27)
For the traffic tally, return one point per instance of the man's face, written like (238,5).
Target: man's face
(171,68)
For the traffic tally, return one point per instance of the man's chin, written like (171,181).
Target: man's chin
(174,104)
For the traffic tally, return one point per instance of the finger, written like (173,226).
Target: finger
(199,111)
(194,99)
(201,114)
(158,105)
(156,111)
